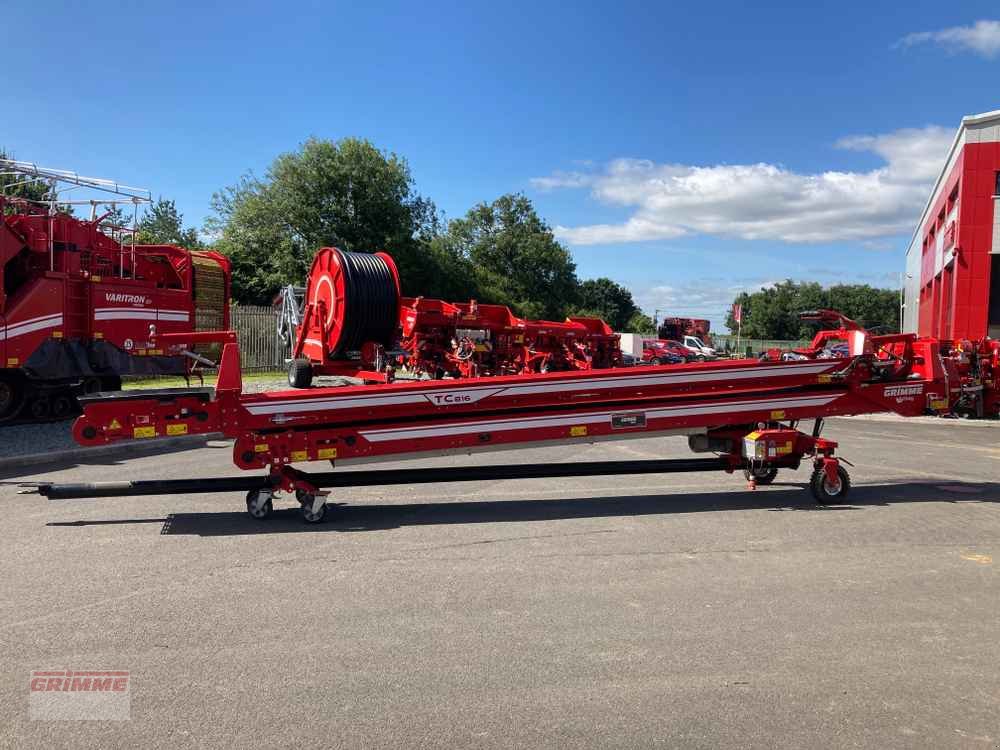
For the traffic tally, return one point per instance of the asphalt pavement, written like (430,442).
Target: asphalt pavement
(640,611)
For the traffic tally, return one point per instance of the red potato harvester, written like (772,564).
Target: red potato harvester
(747,412)
(353,321)
(77,305)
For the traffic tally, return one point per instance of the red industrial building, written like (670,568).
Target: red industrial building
(953,262)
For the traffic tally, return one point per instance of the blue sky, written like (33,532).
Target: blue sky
(687,150)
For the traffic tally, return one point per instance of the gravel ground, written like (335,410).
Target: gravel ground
(674,611)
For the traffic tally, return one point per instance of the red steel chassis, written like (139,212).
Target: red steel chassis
(745,411)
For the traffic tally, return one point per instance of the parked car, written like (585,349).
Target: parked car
(698,347)
(679,349)
(659,352)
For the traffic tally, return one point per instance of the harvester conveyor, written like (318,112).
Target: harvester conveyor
(746,412)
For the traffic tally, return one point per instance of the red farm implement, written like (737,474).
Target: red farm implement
(351,319)
(747,412)
(79,299)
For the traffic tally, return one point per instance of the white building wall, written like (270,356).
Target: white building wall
(911,288)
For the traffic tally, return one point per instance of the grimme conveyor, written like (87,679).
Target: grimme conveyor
(747,412)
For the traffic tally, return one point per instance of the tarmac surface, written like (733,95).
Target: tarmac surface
(640,611)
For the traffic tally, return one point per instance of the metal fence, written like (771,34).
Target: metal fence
(256,329)
(723,343)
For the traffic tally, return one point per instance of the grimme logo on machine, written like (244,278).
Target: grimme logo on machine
(130,299)
(903,391)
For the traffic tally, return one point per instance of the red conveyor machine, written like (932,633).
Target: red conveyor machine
(745,412)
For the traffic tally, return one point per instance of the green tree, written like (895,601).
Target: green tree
(640,323)
(515,258)
(15,185)
(163,224)
(773,312)
(603,298)
(875,309)
(346,194)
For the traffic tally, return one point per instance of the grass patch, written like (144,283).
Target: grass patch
(179,382)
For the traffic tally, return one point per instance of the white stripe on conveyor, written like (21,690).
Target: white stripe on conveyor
(355,401)
(535,423)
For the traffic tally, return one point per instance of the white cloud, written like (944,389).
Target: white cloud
(764,201)
(982,37)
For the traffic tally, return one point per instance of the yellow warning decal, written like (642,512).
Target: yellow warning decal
(824,378)
(779,414)
(57,334)
(325,453)
(786,448)
(144,432)
(579,430)
(12,361)
(95,278)
(300,456)
(115,425)
(260,448)
(177,429)
(752,436)
(98,335)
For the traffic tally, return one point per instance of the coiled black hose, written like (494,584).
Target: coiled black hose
(371,304)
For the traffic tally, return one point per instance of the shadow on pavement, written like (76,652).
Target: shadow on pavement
(11,469)
(352,518)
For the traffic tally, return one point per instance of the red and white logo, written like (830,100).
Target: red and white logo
(128,299)
(903,392)
(80,695)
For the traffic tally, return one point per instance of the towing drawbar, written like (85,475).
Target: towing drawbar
(90,490)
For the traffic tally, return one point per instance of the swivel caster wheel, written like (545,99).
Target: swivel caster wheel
(259,504)
(761,475)
(309,513)
(827,492)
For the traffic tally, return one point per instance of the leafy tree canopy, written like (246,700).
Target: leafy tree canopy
(162,224)
(773,312)
(346,194)
(515,258)
(19,186)
(603,298)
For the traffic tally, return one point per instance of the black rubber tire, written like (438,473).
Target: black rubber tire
(62,406)
(306,503)
(300,373)
(656,361)
(821,488)
(264,512)
(40,408)
(761,476)
(11,399)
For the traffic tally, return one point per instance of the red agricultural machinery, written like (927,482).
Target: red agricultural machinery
(746,412)
(350,319)
(978,364)
(675,329)
(78,306)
